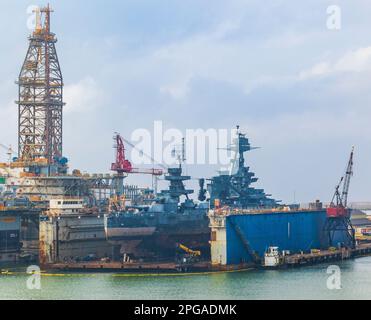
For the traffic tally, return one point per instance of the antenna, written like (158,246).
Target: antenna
(183,150)
(179,152)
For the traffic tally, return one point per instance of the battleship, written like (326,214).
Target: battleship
(155,230)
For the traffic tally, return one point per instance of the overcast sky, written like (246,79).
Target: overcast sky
(300,91)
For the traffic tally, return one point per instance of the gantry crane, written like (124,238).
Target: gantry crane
(338,213)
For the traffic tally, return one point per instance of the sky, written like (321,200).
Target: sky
(300,90)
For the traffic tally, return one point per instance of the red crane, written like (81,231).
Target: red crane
(122,165)
(339,202)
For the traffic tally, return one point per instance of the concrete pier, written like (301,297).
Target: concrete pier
(327,255)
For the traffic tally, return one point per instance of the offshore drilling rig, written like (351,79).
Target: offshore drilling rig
(39,171)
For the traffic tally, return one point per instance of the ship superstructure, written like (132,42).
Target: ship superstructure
(233,188)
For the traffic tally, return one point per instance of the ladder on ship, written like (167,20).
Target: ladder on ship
(246,244)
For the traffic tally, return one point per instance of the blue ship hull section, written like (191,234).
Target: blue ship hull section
(293,231)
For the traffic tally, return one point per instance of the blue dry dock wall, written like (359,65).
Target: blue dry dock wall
(294,231)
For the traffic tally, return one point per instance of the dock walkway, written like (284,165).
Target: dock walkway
(327,255)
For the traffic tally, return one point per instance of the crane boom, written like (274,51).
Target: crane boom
(339,209)
(154,172)
(141,152)
(348,175)
(196,253)
(122,165)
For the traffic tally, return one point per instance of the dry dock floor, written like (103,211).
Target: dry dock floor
(139,267)
(295,260)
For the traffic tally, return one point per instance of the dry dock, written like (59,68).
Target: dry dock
(295,260)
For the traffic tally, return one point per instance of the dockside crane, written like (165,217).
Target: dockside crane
(339,202)
(338,213)
(123,166)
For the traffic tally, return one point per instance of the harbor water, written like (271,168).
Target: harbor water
(301,283)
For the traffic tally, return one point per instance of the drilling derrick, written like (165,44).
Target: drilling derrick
(40,103)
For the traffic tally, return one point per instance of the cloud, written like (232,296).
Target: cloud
(176,91)
(354,61)
(83,96)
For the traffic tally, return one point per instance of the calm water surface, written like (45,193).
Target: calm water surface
(302,283)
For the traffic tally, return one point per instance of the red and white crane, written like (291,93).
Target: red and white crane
(122,165)
(339,202)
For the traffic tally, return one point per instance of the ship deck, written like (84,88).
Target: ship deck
(225,212)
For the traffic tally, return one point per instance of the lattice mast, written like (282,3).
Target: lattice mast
(40,103)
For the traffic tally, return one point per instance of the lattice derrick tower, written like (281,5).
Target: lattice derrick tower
(40,104)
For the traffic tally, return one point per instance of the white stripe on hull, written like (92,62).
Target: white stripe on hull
(130,232)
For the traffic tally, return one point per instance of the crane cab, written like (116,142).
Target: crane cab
(337,212)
